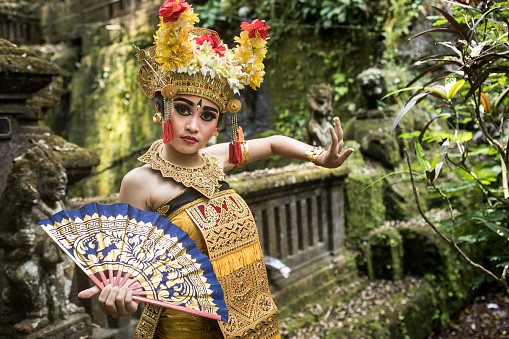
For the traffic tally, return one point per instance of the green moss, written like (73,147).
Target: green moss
(111,116)
(384,253)
(26,65)
(365,208)
(11,50)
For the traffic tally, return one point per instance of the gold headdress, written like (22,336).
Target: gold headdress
(190,60)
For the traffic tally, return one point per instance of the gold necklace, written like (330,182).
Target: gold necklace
(205,178)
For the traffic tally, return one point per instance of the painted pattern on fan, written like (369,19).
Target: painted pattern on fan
(119,239)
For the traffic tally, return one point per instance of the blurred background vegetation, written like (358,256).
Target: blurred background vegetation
(311,42)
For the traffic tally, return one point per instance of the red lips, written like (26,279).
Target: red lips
(190,139)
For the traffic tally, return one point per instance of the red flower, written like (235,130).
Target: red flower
(214,42)
(170,10)
(256,29)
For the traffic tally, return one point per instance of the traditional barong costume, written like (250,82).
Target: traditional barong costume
(189,60)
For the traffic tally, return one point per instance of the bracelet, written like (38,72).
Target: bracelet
(312,153)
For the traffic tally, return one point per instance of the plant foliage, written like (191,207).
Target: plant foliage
(467,129)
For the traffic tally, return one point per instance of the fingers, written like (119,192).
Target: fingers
(339,134)
(89,292)
(334,143)
(103,299)
(342,158)
(120,301)
(130,305)
(337,137)
(117,301)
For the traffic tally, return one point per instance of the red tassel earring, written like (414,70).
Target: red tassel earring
(167,128)
(237,136)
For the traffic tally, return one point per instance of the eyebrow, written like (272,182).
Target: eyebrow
(209,108)
(190,103)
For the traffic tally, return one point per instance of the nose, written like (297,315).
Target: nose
(192,123)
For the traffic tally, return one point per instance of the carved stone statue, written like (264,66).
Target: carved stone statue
(371,125)
(320,113)
(37,272)
(373,88)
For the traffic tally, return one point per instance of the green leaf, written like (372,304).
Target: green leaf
(455,88)
(437,163)
(382,178)
(502,231)
(421,156)
(406,89)
(411,103)
(438,89)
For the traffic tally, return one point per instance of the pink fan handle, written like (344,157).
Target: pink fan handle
(160,303)
(178,308)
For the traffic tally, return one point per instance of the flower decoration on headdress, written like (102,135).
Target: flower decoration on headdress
(214,42)
(172,38)
(179,50)
(256,29)
(252,49)
(172,9)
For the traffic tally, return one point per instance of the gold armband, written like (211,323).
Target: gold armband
(245,153)
(312,153)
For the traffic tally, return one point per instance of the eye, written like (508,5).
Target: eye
(182,109)
(208,116)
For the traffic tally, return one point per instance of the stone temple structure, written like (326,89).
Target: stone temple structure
(36,167)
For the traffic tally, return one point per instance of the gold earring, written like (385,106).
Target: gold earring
(157,117)
(216,132)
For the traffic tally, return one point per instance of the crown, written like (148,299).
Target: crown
(192,60)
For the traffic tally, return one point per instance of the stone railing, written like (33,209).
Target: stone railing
(300,219)
(299,215)
(19,29)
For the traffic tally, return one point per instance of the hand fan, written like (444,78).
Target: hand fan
(157,255)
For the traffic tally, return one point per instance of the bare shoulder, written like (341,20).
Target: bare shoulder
(138,176)
(147,189)
(220,151)
(136,187)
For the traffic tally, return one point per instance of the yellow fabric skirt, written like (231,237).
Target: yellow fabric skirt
(175,325)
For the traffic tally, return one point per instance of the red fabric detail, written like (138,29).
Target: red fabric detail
(202,210)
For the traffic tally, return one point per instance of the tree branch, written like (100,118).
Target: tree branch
(451,242)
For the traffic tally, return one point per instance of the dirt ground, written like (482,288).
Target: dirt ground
(485,318)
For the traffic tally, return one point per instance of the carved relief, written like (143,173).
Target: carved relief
(38,273)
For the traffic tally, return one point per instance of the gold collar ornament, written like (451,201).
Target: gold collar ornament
(204,178)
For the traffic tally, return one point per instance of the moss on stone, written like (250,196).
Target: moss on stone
(426,254)
(384,253)
(261,180)
(26,65)
(111,116)
(364,208)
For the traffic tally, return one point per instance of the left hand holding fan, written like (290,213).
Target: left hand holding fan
(115,301)
(134,255)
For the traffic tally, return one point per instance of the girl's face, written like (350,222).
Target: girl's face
(194,120)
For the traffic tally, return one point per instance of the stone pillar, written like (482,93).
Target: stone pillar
(36,276)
